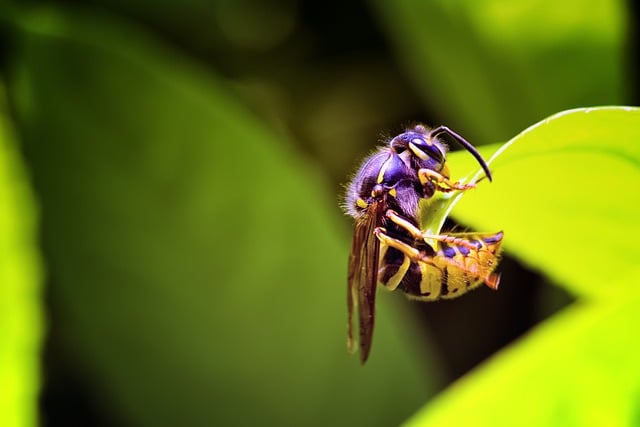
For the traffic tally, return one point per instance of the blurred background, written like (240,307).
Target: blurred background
(187,162)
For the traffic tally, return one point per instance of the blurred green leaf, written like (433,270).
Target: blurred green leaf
(564,192)
(489,68)
(20,277)
(197,273)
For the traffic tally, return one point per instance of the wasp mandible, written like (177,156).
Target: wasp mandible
(388,244)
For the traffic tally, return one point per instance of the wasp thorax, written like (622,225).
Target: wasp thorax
(387,177)
(394,170)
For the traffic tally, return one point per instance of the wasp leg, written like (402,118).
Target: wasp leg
(426,279)
(441,182)
(413,253)
(393,267)
(415,232)
(418,234)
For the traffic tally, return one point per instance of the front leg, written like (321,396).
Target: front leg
(413,253)
(418,234)
(441,182)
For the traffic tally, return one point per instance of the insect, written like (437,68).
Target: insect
(389,247)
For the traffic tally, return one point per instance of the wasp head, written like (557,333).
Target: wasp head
(427,151)
(422,151)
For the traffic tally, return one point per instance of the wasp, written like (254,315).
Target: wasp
(384,197)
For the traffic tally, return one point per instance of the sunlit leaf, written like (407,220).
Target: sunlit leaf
(578,369)
(565,193)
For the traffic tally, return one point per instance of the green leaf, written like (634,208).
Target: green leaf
(488,68)
(578,369)
(20,277)
(565,193)
(198,275)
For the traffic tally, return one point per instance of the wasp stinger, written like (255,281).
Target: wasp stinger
(388,245)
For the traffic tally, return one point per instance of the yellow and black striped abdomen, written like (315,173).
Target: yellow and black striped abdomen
(461,262)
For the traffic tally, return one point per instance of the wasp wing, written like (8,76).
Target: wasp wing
(363,278)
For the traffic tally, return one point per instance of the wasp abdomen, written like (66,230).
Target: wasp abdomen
(458,266)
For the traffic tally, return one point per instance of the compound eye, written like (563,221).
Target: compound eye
(426,150)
